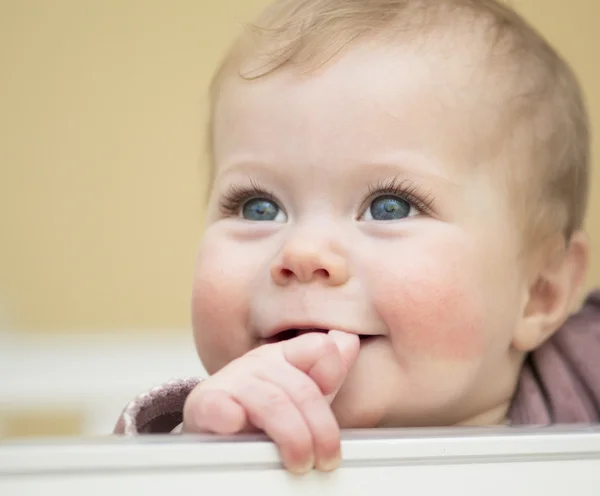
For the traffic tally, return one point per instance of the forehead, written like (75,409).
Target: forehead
(373,99)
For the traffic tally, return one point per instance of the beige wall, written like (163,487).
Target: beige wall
(101,119)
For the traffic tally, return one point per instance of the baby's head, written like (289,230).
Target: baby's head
(413,171)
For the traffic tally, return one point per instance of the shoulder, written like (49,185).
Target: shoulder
(560,381)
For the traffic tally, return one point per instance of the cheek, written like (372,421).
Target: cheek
(220,303)
(433,307)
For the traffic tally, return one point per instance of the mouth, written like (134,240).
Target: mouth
(294,332)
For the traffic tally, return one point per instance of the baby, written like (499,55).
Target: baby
(394,232)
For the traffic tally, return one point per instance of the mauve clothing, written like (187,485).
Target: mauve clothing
(559,383)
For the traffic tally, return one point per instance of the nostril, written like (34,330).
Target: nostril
(322,273)
(319,273)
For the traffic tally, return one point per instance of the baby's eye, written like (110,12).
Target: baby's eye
(389,207)
(262,209)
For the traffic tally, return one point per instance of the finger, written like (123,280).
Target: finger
(303,351)
(213,411)
(316,355)
(349,346)
(346,347)
(315,410)
(270,409)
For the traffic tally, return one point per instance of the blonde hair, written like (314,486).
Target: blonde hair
(548,109)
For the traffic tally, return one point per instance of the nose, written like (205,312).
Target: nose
(306,261)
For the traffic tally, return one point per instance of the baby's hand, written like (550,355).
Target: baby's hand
(284,389)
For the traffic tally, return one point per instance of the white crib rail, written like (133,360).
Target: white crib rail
(467,462)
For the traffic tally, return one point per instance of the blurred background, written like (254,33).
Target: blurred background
(102,178)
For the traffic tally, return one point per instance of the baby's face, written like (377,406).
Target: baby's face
(360,198)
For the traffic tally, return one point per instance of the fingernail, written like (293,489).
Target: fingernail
(346,342)
(343,339)
(303,469)
(331,464)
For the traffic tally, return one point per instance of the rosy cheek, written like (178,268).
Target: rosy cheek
(434,317)
(219,311)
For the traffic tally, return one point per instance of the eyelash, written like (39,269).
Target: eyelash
(404,189)
(236,196)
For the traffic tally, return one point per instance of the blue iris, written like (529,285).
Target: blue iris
(260,209)
(389,208)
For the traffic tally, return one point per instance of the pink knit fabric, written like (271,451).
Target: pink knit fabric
(560,383)
(157,411)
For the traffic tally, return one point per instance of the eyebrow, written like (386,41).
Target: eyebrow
(409,171)
(388,167)
(249,167)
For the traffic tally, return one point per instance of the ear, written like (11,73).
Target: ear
(553,294)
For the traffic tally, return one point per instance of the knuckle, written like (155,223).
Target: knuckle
(307,394)
(195,409)
(274,401)
(209,402)
(203,404)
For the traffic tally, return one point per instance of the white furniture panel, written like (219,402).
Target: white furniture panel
(467,462)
